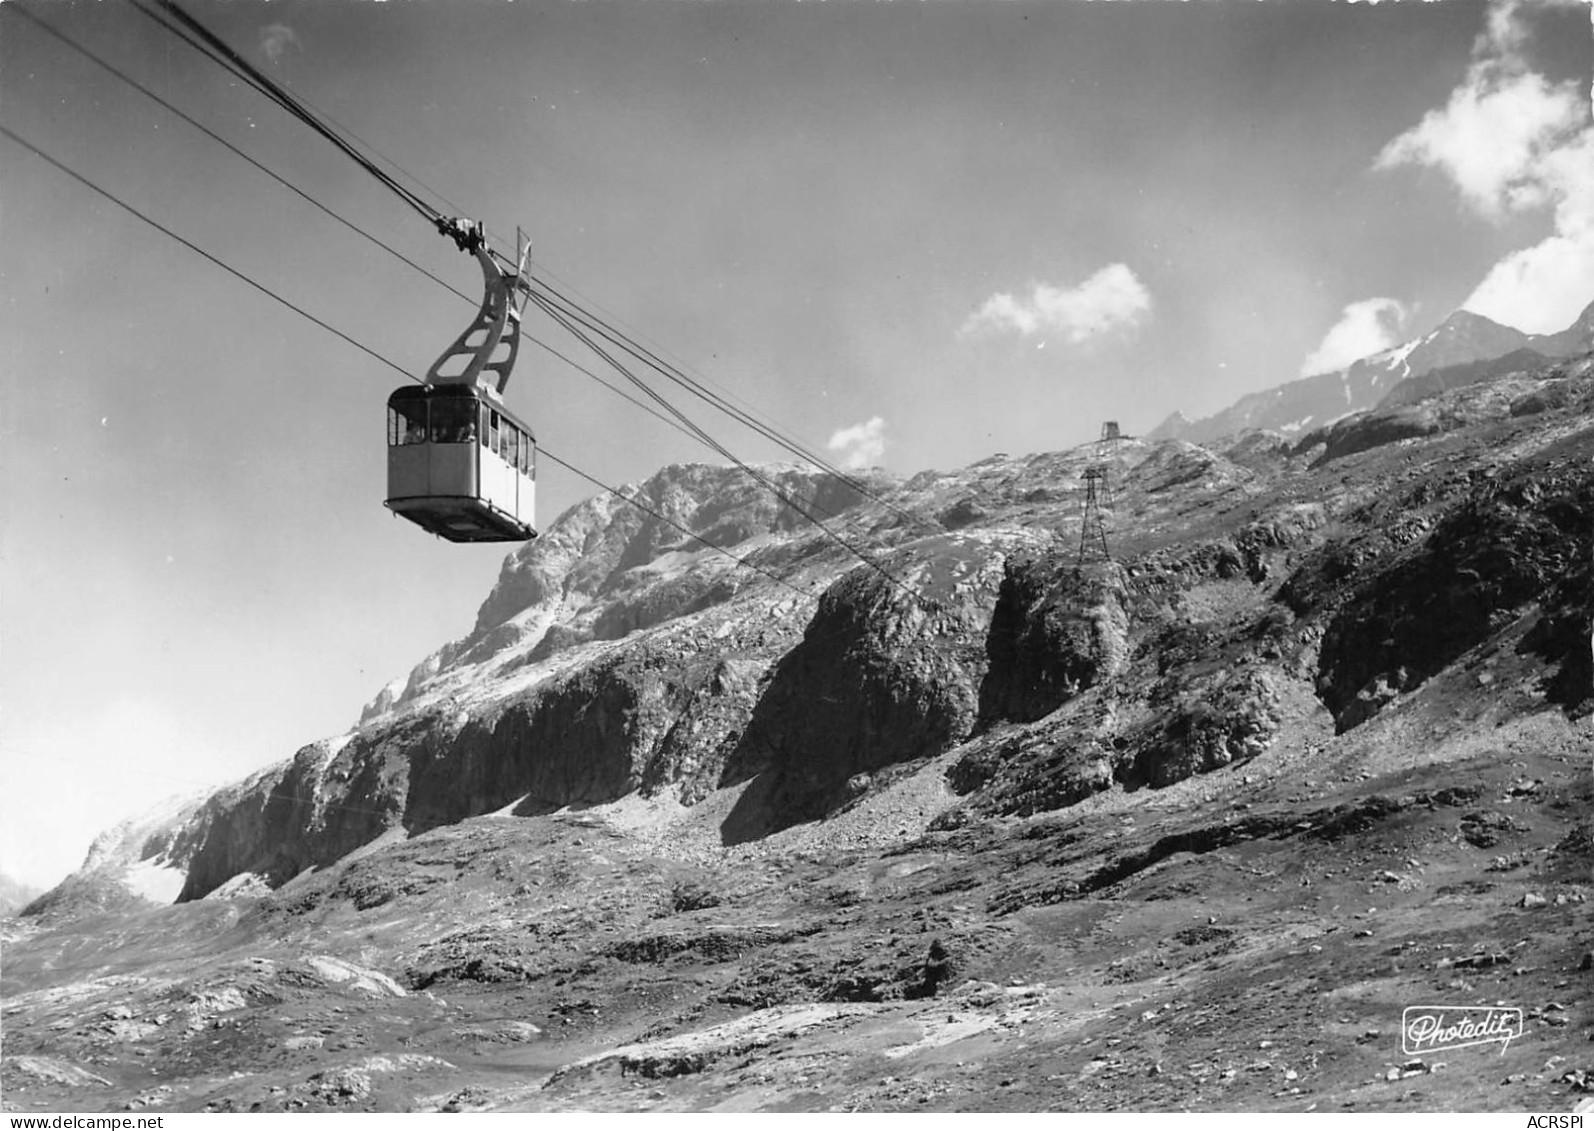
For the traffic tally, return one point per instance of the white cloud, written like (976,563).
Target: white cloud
(1512,141)
(1111,299)
(861,445)
(275,39)
(1364,328)
(1542,288)
(1491,136)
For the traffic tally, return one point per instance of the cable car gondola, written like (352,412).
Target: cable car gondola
(459,464)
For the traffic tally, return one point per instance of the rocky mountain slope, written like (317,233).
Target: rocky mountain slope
(976,824)
(1465,347)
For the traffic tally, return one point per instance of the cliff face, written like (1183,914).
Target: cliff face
(1258,592)
(888,671)
(1056,630)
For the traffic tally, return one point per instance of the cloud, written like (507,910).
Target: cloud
(861,445)
(1542,288)
(1491,136)
(1111,299)
(1512,142)
(1363,329)
(275,39)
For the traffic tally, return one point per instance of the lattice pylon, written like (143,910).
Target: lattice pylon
(1093,528)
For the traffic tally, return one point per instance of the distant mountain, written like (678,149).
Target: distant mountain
(1462,338)
(14,895)
(1297,407)
(1578,338)
(137,861)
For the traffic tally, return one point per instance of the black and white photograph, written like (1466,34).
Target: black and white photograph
(609,557)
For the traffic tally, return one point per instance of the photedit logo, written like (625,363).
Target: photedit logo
(1429,1028)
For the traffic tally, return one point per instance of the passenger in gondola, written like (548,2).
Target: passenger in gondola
(450,425)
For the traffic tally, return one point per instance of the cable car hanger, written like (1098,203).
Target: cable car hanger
(497,323)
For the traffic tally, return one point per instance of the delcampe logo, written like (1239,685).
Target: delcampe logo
(1429,1028)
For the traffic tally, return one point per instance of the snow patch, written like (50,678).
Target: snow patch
(241,886)
(633,812)
(334,746)
(508,810)
(51,1071)
(673,563)
(1399,355)
(124,841)
(155,881)
(358,977)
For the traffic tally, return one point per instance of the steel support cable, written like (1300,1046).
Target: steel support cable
(637,350)
(697,430)
(266,85)
(696,387)
(746,414)
(560,315)
(285,183)
(615,337)
(580,335)
(573,295)
(623,497)
(757,475)
(158,226)
(615,389)
(374,154)
(263,83)
(267,291)
(742,411)
(685,422)
(641,348)
(690,427)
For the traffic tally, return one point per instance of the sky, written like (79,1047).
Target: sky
(911,234)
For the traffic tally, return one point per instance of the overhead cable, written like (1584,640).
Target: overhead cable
(208,132)
(753,472)
(196,249)
(698,389)
(262,82)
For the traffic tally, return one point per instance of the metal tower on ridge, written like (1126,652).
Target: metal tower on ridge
(1093,529)
(1098,494)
